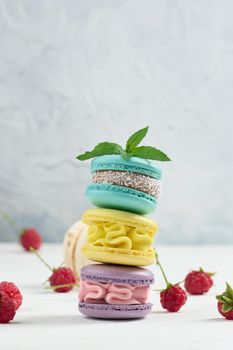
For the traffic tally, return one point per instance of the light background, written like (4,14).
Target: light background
(73,73)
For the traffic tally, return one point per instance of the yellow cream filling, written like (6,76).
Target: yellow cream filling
(118,235)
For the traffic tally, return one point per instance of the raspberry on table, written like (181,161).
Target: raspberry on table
(228,315)
(7,308)
(198,282)
(225,303)
(29,237)
(12,291)
(173,298)
(62,276)
(62,280)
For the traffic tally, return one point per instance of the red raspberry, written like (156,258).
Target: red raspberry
(62,279)
(12,292)
(225,303)
(173,298)
(60,276)
(7,308)
(228,315)
(30,238)
(198,282)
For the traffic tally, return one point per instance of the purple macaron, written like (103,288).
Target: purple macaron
(115,291)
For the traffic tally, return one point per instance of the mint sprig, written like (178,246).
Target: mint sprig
(131,150)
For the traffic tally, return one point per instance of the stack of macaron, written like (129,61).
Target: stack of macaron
(125,186)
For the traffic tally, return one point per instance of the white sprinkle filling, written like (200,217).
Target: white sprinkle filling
(136,181)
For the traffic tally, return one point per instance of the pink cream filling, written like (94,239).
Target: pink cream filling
(102,293)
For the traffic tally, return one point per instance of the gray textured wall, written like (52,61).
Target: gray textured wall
(73,73)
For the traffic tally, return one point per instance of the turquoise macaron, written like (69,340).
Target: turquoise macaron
(126,184)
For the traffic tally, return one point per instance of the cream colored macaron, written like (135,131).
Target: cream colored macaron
(75,238)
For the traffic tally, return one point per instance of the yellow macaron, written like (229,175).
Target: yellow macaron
(119,237)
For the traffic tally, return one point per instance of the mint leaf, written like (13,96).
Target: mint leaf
(102,149)
(229,291)
(220,298)
(226,308)
(135,139)
(148,152)
(227,300)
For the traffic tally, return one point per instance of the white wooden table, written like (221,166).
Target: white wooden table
(49,320)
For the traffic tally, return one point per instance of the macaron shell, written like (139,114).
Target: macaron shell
(109,273)
(134,164)
(119,256)
(107,311)
(122,198)
(115,216)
